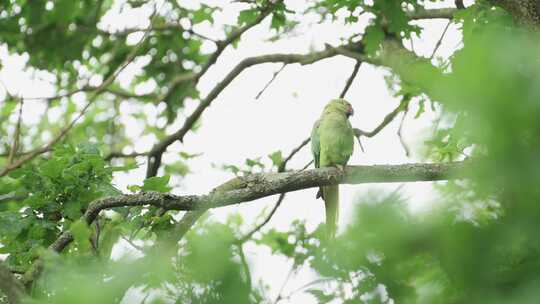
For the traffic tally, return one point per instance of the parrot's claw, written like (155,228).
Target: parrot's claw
(340,168)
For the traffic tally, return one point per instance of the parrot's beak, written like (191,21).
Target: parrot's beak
(350,111)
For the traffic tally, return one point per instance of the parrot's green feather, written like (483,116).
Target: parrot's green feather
(315,144)
(330,196)
(332,140)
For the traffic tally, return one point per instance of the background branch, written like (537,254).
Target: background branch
(387,119)
(351,78)
(154,157)
(276,73)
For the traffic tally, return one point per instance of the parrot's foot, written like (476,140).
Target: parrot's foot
(340,168)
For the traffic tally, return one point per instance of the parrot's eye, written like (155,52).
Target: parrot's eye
(350,110)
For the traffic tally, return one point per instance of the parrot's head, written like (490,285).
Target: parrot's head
(340,106)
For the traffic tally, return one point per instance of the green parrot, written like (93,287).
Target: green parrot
(332,141)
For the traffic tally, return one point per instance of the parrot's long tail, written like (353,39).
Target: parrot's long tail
(331,203)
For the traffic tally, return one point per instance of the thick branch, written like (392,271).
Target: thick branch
(525,12)
(438,13)
(261,185)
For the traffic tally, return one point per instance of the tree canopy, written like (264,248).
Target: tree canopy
(61,214)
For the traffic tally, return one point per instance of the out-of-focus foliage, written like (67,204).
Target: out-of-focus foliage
(57,191)
(478,245)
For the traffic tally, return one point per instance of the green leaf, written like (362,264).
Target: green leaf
(81,235)
(278,21)
(254,163)
(277,158)
(88,148)
(373,37)
(8,106)
(65,10)
(248,16)
(203,14)
(178,168)
(157,183)
(421,108)
(232,168)
(322,297)
(278,242)
(134,188)
(186,155)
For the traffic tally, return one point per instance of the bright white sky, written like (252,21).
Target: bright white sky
(237,126)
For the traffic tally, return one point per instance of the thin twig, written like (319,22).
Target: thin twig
(8,94)
(276,73)
(322,280)
(279,296)
(111,155)
(192,32)
(245,264)
(130,242)
(387,119)
(145,298)
(438,44)
(124,155)
(307,165)
(248,235)
(281,167)
(98,234)
(87,88)
(399,133)
(59,96)
(350,79)
(281,197)
(16,135)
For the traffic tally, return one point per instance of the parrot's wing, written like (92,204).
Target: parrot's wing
(316,149)
(316,144)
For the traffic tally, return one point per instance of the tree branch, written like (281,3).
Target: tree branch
(350,79)
(248,235)
(276,73)
(524,12)
(124,155)
(221,46)
(245,265)
(261,185)
(437,13)
(387,119)
(190,217)
(158,149)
